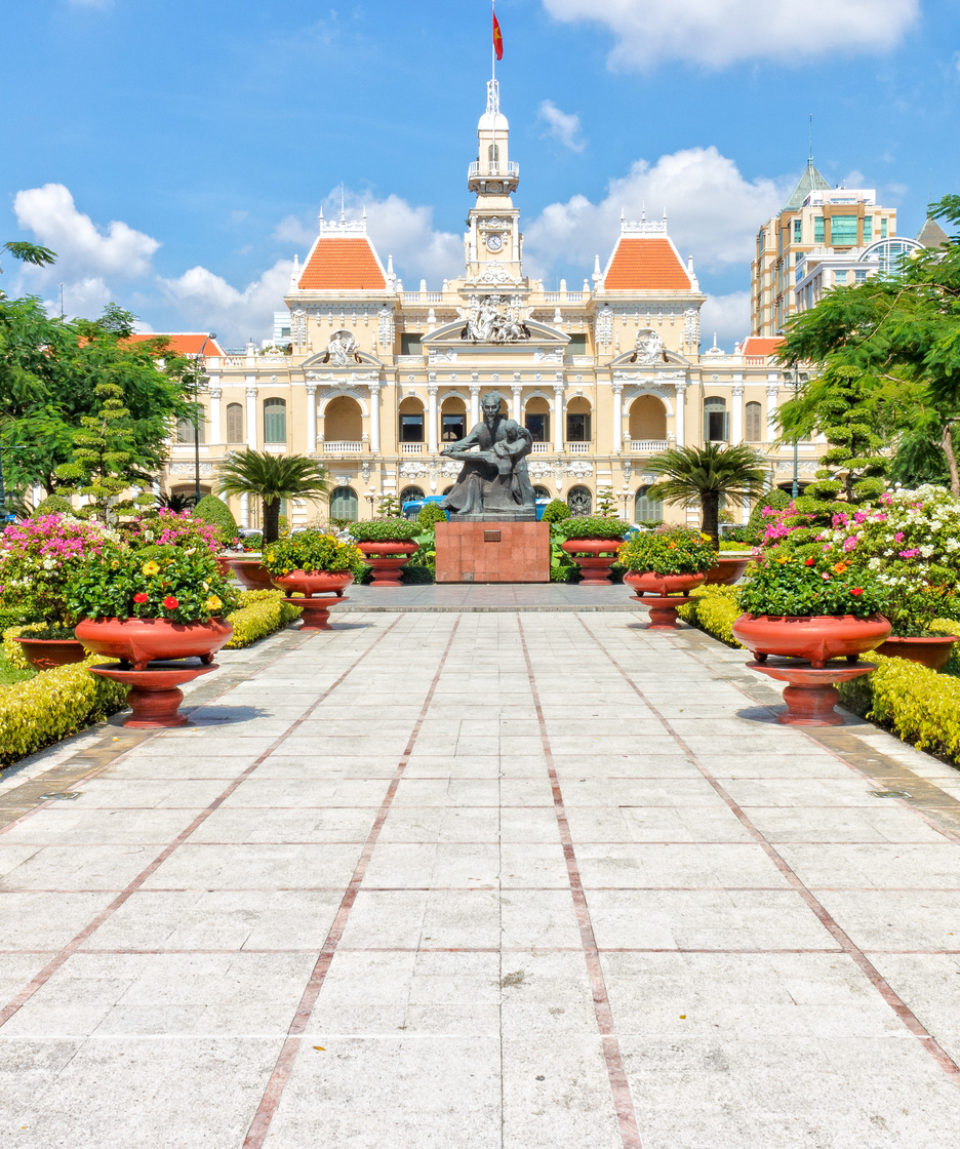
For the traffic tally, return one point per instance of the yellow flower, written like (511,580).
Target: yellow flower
(213,603)
(150,568)
(781,559)
(839,568)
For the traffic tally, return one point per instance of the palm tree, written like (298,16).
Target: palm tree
(271,478)
(707,473)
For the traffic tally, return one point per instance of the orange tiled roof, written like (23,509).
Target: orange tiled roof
(761,345)
(182,343)
(645,264)
(340,264)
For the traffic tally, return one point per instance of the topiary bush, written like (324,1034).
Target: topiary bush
(384,530)
(261,612)
(214,510)
(714,610)
(592,527)
(54,505)
(777,500)
(429,515)
(556,511)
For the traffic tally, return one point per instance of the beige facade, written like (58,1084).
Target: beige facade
(379,376)
(817,224)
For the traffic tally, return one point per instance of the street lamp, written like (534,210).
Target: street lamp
(196,417)
(795,489)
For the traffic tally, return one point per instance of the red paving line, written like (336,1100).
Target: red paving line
(266,1110)
(619,1085)
(16,1004)
(905,1014)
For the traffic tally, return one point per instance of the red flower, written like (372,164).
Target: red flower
(140,596)
(856,590)
(170,602)
(809,562)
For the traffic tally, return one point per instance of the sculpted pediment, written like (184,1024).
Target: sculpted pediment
(518,334)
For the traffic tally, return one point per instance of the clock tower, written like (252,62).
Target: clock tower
(493,243)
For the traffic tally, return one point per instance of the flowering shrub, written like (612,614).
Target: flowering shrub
(178,583)
(173,529)
(36,559)
(787,583)
(593,527)
(384,531)
(671,550)
(312,551)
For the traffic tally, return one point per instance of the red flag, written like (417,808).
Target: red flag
(497,38)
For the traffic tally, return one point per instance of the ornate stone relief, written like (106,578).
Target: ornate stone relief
(691,326)
(298,326)
(604,326)
(342,349)
(415,470)
(492,319)
(386,328)
(649,346)
(497,273)
(580,469)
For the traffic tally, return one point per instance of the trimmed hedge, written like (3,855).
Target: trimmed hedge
(52,705)
(715,610)
(261,613)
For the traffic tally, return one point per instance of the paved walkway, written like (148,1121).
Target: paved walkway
(472,880)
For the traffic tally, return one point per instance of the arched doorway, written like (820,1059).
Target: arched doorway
(410,495)
(410,429)
(580,500)
(648,418)
(343,420)
(536,418)
(645,509)
(453,420)
(344,504)
(541,493)
(578,420)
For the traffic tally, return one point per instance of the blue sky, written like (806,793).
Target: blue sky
(175,154)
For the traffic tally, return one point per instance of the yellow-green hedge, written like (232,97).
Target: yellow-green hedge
(13,651)
(52,705)
(715,610)
(261,612)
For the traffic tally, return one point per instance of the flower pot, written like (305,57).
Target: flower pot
(251,573)
(316,611)
(594,557)
(153,694)
(387,558)
(811,693)
(932,651)
(817,638)
(139,641)
(729,569)
(662,595)
(48,653)
(223,565)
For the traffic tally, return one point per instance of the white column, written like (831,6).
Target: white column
(474,404)
(375,418)
(251,415)
(432,419)
(311,418)
(617,418)
(245,511)
(772,397)
(679,420)
(215,394)
(517,415)
(558,417)
(736,429)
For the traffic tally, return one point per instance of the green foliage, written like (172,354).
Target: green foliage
(54,505)
(775,499)
(668,551)
(312,551)
(177,583)
(48,707)
(715,609)
(606,503)
(791,583)
(272,478)
(389,507)
(556,511)
(708,474)
(592,527)
(216,512)
(429,514)
(260,612)
(29,253)
(384,530)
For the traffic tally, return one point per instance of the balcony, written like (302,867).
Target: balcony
(647,446)
(541,448)
(341,447)
(507,171)
(411,448)
(577,448)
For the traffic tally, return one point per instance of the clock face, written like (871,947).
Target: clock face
(494,242)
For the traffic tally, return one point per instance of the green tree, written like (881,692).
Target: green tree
(272,478)
(708,474)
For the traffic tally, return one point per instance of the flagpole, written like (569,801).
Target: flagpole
(493,46)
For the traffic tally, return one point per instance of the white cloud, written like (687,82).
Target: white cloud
(727,316)
(562,126)
(714,212)
(207,302)
(717,33)
(82,248)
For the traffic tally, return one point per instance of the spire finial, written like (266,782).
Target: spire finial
(343,210)
(810,147)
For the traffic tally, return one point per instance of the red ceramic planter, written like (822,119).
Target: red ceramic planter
(251,573)
(387,559)
(154,695)
(811,693)
(728,570)
(49,653)
(594,557)
(646,582)
(316,611)
(932,651)
(816,638)
(139,641)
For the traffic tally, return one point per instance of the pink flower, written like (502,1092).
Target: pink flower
(850,544)
(880,517)
(860,517)
(909,554)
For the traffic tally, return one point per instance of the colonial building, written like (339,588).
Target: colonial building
(376,377)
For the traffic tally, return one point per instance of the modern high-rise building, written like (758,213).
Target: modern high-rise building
(817,221)
(376,378)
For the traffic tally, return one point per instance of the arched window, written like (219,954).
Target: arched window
(274,420)
(578,421)
(410,495)
(754,434)
(411,421)
(493,153)
(645,509)
(344,504)
(580,501)
(234,422)
(343,420)
(715,420)
(541,493)
(536,418)
(453,420)
(185,430)
(648,419)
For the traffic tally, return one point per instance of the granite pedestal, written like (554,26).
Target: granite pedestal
(493,551)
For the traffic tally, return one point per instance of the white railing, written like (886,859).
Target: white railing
(342,447)
(578,448)
(422,297)
(411,360)
(563,296)
(509,170)
(647,446)
(541,448)
(411,448)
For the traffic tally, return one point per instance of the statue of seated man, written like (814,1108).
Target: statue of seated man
(494,477)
